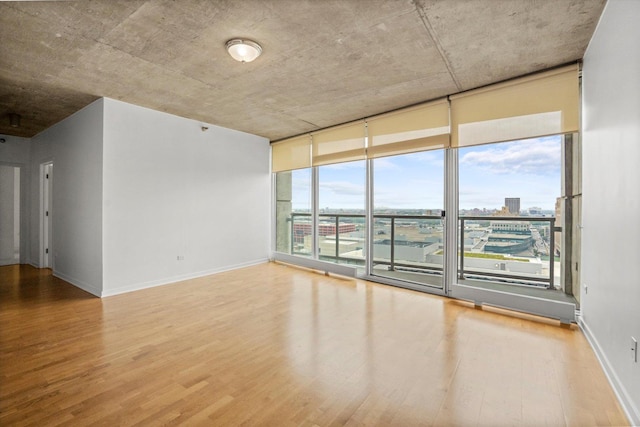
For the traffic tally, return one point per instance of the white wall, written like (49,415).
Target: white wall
(9,214)
(172,189)
(75,146)
(16,151)
(611,196)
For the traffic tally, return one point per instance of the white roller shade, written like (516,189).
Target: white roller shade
(292,153)
(339,144)
(546,103)
(419,128)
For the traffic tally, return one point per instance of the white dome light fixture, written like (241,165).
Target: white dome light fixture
(243,50)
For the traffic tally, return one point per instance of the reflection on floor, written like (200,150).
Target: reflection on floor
(273,345)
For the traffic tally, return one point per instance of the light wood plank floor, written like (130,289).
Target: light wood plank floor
(277,345)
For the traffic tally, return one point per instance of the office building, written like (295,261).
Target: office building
(513,205)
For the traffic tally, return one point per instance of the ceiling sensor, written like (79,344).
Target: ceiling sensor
(14,120)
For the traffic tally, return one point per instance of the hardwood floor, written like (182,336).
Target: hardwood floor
(277,345)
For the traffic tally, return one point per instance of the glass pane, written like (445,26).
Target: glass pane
(509,201)
(341,222)
(408,229)
(293,212)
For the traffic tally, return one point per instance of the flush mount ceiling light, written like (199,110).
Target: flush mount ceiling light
(243,50)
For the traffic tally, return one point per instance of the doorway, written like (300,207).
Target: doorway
(408,218)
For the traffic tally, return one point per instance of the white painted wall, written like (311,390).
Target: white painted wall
(16,151)
(171,189)
(75,146)
(611,196)
(9,214)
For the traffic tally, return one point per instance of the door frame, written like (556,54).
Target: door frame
(46,215)
(369,212)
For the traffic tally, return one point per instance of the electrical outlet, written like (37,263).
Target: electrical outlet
(586,288)
(634,349)
(180,257)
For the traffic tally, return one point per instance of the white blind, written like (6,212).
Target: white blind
(339,144)
(419,128)
(546,103)
(292,153)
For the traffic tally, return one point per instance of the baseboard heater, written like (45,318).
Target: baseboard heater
(563,311)
(314,264)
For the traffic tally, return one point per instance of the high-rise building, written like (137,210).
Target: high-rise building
(513,204)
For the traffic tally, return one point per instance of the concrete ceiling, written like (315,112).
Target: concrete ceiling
(324,62)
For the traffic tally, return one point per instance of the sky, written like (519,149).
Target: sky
(528,169)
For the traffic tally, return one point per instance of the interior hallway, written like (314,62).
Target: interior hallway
(278,345)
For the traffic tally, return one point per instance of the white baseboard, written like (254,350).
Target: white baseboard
(78,283)
(632,412)
(167,281)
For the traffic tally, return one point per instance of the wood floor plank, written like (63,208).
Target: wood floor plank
(282,346)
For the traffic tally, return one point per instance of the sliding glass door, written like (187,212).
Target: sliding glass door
(408,228)
(341,213)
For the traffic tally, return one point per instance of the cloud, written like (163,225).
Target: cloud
(531,157)
(411,160)
(410,193)
(435,157)
(407,201)
(343,188)
(486,200)
(301,184)
(345,166)
(384,164)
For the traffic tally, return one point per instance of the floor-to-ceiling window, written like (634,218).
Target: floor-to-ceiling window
(509,201)
(408,229)
(467,195)
(294,216)
(293,191)
(341,213)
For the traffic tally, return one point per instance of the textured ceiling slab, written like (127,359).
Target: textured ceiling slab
(508,38)
(324,62)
